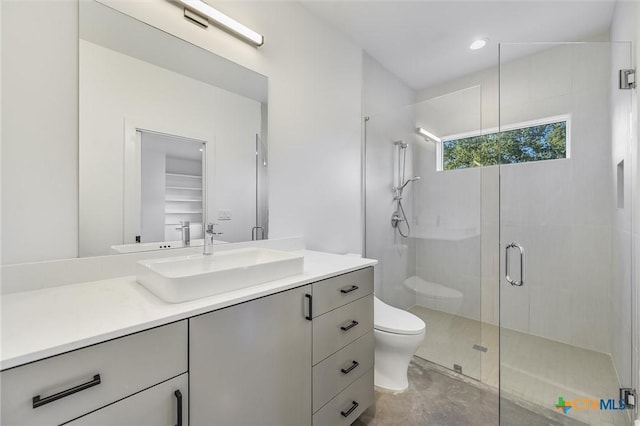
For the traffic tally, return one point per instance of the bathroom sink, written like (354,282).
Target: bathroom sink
(181,278)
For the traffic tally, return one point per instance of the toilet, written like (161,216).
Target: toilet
(397,335)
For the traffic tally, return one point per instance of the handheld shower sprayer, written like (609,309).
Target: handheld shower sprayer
(399,218)
(408,182)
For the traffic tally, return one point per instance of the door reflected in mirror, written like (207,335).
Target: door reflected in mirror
(165,186)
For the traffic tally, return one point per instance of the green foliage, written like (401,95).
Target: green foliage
(535,143)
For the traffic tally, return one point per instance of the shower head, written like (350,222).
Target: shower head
(401,143)
(409,181)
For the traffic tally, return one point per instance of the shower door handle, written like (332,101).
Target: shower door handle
(507,263)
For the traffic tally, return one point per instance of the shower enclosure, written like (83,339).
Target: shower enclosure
(518,249)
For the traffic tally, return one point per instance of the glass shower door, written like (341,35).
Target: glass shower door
(565,231)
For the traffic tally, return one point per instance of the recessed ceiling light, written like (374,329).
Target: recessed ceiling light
(478,44)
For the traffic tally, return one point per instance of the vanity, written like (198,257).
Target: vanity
(298,350)
(159,131)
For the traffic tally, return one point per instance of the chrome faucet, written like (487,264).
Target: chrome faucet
(185,227)
(208,238)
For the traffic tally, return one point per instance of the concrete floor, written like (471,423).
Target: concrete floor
(437,396)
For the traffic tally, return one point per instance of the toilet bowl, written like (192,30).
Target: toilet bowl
(435,296)
(397,335)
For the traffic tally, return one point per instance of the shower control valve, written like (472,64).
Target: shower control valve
(395,218)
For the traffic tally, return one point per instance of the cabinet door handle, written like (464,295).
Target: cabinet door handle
(39,402)
(349,289)
(354,364)
(350,326)
(354,405)
(178,395)
(309,297)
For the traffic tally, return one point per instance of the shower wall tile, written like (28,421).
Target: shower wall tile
(591,66)
(548,255)
(536,193)
(470,288)
(549,304)
(591,261)
(489,305)
(548,107)
(589,140)
(621,301)
(515,307)
(512,74)
(592,195)
(589,328)
(551,72)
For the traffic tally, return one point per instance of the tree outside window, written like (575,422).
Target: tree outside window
(533,143)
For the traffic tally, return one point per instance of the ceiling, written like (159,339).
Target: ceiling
(426,42)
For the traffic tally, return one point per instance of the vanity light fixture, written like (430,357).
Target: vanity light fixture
(428,135)
(223,21)
(478,44)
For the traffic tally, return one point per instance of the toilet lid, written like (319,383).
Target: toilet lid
(394,320)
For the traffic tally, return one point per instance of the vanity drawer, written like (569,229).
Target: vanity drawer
(345,408)
(341,369)
(336,329)
(157,406)
(94,376)
(338,291)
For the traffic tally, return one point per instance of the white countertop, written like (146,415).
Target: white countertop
(42,323)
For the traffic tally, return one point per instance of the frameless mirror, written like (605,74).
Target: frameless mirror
(171,137)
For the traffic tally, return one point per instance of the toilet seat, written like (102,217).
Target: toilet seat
(394,320)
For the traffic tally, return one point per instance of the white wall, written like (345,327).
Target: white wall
(315,94)
(315,80)
(385,100)
(626,321)
(114,89)
(39,132)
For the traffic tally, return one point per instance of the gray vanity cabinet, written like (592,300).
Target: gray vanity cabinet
(114,383)
(160,405)
(250,364)
(343,353)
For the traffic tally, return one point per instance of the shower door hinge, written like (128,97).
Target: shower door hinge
(627,79)
(628,395)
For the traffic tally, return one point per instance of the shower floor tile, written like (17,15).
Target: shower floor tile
(534,369)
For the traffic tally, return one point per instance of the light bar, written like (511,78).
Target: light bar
(429,135)
(224,21)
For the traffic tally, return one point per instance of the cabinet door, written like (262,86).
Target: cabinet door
(81,381)
(250,364)
(156,406)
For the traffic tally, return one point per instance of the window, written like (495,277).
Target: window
(544,140)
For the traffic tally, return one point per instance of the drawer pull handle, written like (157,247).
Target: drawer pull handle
(39,402)
(348,370)
(350,326)
(350,410)
(349,289)
(178,395)
(310,299)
